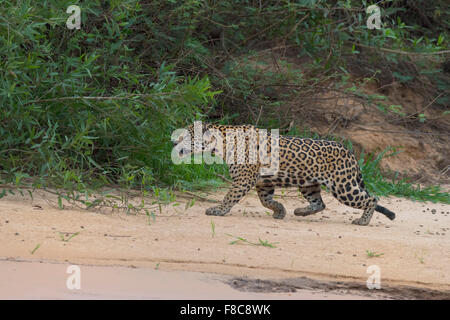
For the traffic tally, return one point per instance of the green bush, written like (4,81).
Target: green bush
(80,106)
(96,106)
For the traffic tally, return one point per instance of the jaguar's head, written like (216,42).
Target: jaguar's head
(196,138)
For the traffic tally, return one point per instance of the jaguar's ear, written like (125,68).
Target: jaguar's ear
(205,127)
(207,134)
(211,133)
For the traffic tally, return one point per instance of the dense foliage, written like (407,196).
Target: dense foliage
(96,106)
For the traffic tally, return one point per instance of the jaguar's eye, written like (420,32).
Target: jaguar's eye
(176,142)
(184,152)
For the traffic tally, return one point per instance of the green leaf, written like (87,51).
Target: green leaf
(60,205)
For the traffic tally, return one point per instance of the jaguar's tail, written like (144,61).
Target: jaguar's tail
(388,213)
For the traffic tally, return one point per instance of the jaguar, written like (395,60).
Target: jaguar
(305,163)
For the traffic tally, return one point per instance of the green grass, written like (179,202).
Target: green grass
(373,254)
(420,256)
(213,229)
(150,217)
(263,243)
(36,248)
(379,185)
(67,239)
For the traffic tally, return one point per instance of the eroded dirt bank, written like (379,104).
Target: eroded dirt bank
(412,251)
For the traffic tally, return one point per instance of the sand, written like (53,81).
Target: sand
(316,257)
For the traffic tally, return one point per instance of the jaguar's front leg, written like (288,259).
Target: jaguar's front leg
(244,179)
(265,193)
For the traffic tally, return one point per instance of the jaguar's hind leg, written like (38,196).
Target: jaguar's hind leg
(355,196)
(265,193)
(312,194)
(364,220)
(368,205)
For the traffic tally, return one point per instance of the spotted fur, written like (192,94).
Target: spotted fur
(306,163)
